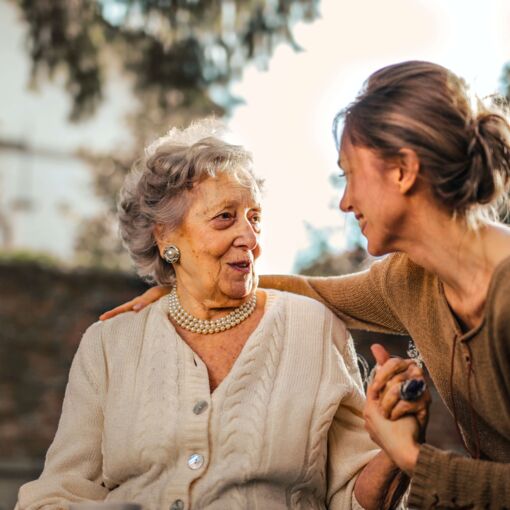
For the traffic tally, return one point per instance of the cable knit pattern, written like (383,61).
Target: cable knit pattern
(282,431)
(241,430)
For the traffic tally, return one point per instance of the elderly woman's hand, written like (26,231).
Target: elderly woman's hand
(397,426)
(139,302)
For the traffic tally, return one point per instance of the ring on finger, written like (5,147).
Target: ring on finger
(412,389)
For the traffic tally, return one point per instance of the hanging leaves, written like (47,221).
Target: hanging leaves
(173,49)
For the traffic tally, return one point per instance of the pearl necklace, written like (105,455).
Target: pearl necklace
(204,326)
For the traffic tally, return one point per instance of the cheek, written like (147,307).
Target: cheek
(210,249)
(373,195)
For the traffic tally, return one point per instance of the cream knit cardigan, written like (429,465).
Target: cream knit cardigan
(283,430)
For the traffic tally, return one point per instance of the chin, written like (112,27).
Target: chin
(376,250)
(242,289)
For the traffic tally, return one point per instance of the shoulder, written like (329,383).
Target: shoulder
(297,301)
(499,298)
(302,306)
(128,330)
(501,281)
(306,313)
(322,333)
(131,323)
(401,272)
(409,286)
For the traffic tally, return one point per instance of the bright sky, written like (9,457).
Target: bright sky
(288,111)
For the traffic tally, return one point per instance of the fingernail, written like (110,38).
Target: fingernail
(137,307)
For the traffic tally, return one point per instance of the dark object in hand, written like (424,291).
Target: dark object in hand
(412,389)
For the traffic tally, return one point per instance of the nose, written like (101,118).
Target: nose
(345,205)
(247,237)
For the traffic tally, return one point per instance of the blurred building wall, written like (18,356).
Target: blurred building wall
(45,188)
(44,195)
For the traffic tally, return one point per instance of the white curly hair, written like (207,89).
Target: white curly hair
(157,190)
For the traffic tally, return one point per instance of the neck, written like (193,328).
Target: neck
(208,305)
(463,258)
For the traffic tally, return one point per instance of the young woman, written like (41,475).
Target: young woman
(424,168)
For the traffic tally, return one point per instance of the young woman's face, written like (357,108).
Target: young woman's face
(219,240)
(372,195)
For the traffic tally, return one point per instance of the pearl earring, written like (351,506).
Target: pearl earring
(171,254)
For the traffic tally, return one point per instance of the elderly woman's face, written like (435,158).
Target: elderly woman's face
(219,240)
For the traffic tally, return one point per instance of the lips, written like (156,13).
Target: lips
(361,222)
(243,266)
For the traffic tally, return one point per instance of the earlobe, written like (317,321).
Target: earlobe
(409,167)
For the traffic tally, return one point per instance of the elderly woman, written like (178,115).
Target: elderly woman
(218,396)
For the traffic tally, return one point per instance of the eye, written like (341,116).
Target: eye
(224,216)
(255,217)
(223,220)
(343,176)
(256,220)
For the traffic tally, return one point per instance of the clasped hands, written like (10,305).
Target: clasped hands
(397,426)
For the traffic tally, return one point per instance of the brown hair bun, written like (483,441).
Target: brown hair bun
(489,156)
(464,150)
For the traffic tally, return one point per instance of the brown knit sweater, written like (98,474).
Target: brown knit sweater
(397,296)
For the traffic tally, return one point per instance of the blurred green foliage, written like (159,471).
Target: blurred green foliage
(42,259)
(175,51)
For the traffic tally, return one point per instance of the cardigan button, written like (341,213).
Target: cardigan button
(200,407)
(195,461)
(178,504)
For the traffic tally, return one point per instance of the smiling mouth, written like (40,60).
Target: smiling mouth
(241,266)
(361,222)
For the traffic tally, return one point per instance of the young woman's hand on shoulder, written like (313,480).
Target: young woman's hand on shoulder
(139,302)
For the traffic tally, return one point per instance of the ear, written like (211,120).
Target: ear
(409,166)
(161,236)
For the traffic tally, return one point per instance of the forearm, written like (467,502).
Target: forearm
(447,479)
(359,299)
(381,484)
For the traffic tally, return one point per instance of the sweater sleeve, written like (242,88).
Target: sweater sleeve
(73,466)
(349,445)
(447,480)
(361,299)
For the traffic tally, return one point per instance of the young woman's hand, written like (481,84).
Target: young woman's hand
(139,302)
(396,425)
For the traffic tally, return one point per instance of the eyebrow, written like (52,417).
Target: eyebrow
(228,203)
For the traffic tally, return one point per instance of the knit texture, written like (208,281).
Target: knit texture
(283,430)
(397,296)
